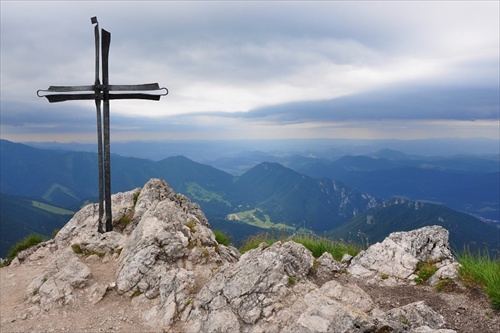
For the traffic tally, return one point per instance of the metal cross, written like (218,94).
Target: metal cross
(103,93)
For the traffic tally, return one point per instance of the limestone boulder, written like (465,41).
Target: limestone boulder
(398,255)
(170,232)
(81,234)
(252,290)
(65,274)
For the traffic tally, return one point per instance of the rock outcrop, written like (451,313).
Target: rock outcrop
(179,279)
(398,255)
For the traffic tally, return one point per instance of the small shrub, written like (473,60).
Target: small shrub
(384,276)
(222,238)
(424,272)
(79,250)
(136,293)
(76,248)
(97,253)
(191,225)
(25,243)
(124,220)
(445,285)
(291,280)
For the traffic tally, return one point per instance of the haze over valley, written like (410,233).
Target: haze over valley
(329,188)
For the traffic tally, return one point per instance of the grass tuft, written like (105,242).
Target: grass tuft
(136,197)
(254,241)
(27,242)
(424,272)
(317,245)
(479,269)
(222,238)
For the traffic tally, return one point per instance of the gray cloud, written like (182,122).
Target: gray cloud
(408,103)
(234,67)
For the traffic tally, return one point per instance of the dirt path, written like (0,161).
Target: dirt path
(114,313)
(465,310)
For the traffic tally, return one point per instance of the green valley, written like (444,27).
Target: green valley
(256,218)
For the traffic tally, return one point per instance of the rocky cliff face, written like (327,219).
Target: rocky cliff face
(163,263)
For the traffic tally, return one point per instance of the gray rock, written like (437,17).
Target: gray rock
(398,255)
(180,279)
(426,244)
(427,329)
(448,271)
(332,308)
(244,293)
(81,234)
(97,292)
(269,290)
(326,268)
(172,232)
(415,315)
(57,284)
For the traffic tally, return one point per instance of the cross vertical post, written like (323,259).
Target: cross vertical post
(97,84)
(106,41)
(103,93)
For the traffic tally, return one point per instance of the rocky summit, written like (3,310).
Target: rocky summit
(162,270)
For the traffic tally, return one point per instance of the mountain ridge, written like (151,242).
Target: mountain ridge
(280,194)
(374,224)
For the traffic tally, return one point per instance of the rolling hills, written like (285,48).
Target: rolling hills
(265,196)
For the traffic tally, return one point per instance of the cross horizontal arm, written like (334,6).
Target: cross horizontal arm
(67,89)
(150,97)
(92,94)
(136,87)
(54,98)
(111,87)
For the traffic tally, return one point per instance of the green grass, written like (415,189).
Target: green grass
(424,272)
(317,245)
(136,197)
(479,269)
(222,238)
(254,241)
(29,241)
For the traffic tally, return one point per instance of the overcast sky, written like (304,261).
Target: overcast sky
(237,70)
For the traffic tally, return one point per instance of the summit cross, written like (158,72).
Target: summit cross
(102,93)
